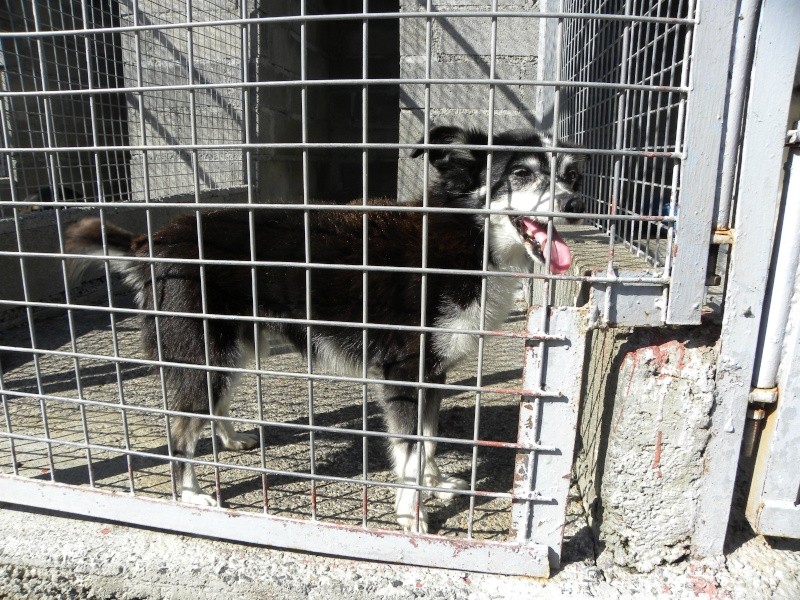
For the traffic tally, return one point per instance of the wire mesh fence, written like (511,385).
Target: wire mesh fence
(295,113)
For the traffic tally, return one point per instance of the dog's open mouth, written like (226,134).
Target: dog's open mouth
(534,236)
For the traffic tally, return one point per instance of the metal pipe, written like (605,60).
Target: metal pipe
(737,97)
(784,277)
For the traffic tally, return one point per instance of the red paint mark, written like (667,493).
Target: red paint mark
(364,502)
(674,250)
(657,457)
(706,587)
(105,530)
(661,357)
(44,470)
(419,584)
(634,357)
(467,580)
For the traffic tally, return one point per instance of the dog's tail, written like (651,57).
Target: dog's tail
(86,237)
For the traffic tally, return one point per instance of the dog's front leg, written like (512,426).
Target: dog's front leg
(430,428)
(400,409)
(185,432)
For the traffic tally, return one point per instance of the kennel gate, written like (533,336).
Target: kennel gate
(143,109)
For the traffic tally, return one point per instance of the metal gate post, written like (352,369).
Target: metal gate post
(771,81)
(542,476)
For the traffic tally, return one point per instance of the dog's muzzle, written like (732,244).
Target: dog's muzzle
(574,205)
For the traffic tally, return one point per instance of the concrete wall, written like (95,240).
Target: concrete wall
(334,113)
(166,117)
(643,432)
(460,48)
(74,174)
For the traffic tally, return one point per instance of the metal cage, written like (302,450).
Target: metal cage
(140,110)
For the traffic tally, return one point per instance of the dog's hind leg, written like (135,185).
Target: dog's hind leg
(232,439)
(193,390)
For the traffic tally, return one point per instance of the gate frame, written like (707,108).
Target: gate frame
(772,76)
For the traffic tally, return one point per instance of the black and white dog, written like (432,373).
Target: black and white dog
(518,180)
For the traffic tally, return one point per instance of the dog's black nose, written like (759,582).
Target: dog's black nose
(574,205)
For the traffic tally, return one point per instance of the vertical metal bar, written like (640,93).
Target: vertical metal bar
(484,266)
(538,515)
(9,428)
(618,160)
(200,248)
(51,143)
(149,231)
(781,286)
(364,258)
(307,245)
(27,297)
(678,165)
(251,223)
(109,291)
(740,67)
(424,259)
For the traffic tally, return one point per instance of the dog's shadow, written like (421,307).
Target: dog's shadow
(494,467)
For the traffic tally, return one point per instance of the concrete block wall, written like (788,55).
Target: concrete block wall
(75,174)
(334,113)
(166,117)
(460,48)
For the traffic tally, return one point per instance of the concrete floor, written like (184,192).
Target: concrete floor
(57,556)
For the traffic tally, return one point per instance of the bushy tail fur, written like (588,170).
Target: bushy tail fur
(86,237)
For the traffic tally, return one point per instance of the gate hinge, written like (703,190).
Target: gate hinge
(722,237)
(763,395)
(793,135)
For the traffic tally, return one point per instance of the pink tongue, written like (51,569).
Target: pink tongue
(560,256)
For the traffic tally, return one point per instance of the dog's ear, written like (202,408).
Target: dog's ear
(449,159)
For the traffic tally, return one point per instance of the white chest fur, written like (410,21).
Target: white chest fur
(453,346)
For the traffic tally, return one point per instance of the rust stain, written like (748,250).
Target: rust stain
(657,456)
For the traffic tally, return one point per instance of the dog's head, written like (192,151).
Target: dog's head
(519,180)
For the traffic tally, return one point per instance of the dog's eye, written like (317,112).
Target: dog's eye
(521,172)
(571,176)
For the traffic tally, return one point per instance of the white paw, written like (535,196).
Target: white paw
(241,441)
(198,498)
(449,483)
(409,522)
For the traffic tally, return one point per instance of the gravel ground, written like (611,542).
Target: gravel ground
(47,556)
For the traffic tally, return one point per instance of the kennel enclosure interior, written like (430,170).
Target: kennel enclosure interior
(139,111)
